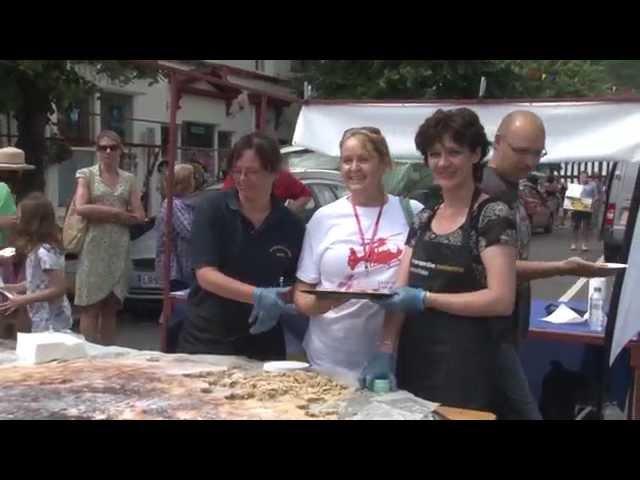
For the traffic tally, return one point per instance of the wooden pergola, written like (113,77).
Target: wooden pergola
(181,82)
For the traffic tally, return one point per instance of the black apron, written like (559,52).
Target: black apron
(443,357)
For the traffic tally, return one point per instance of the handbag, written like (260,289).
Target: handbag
(75,227)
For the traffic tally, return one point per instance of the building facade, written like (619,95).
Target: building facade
(210,118)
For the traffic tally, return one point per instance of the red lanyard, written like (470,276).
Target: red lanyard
(367,253)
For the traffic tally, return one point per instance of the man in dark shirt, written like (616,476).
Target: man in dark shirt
(518,147)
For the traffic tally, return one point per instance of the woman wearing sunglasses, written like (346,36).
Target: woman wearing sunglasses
(459,272)
(354,243)
(108,199)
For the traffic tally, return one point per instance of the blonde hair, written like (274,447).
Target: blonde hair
(372,140)
(184,181)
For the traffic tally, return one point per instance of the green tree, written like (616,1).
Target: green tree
(455,79)
(624,74)
(31,89)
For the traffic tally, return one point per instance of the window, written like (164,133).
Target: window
(199,135)
(260,65)
(116,112)
(75,123)
(323,192)
(197,144)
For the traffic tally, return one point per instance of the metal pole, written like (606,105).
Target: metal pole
(617,289)
(262,118)
(174,99)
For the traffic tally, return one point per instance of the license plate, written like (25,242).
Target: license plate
(148,280)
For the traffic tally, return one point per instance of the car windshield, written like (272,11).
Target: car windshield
(407,175)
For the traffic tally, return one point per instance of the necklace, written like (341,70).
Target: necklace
(368,253)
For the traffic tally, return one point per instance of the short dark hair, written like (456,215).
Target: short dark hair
(265,147)
(462,125)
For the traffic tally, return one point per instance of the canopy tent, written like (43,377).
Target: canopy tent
(577,130)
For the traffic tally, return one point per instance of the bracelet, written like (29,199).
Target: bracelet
(425,299)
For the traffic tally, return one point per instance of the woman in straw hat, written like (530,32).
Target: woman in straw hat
(12,164)
(108,198)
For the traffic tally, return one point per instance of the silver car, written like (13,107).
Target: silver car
(144,283)
(620,185)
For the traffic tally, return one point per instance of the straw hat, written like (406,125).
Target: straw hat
(13,159)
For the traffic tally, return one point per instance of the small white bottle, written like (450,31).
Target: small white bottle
(596,310)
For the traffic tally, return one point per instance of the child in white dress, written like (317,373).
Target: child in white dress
(44,290)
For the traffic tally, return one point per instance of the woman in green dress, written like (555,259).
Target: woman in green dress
(108,199)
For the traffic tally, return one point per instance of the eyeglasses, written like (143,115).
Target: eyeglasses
(525,152)
(237,173)
(108,148)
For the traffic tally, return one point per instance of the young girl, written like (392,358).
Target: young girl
(38,239)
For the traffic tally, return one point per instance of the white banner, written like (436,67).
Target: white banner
(576,131)
(628,318)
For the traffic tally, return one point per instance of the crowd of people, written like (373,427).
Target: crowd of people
(583,223)
(456,262)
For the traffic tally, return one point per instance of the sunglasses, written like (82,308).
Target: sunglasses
(108,148)
(370,130)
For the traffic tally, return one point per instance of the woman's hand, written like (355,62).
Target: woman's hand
(381,365)
(404,299)
(128,218)
(267,308)
(311,305)
(12,304)
(14,287)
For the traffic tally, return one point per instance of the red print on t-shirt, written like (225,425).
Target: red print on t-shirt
(379,255)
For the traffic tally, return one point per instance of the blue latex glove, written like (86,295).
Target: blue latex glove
(267,307)
(380,365)
(404,299)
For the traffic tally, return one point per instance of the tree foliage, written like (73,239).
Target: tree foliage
(455,79)
(33,89)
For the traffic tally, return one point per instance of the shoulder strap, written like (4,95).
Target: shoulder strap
(466,230)
(405,203)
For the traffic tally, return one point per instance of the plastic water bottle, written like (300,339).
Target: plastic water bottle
(596,310)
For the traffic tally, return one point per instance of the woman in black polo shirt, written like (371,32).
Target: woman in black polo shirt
(246,245)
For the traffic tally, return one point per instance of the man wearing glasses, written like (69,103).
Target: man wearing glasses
(518,147)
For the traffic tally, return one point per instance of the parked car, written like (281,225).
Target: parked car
(540,209)
(144,284)
(620,184)
(408,175)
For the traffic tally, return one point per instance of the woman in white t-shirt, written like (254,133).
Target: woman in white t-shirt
(354,243)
